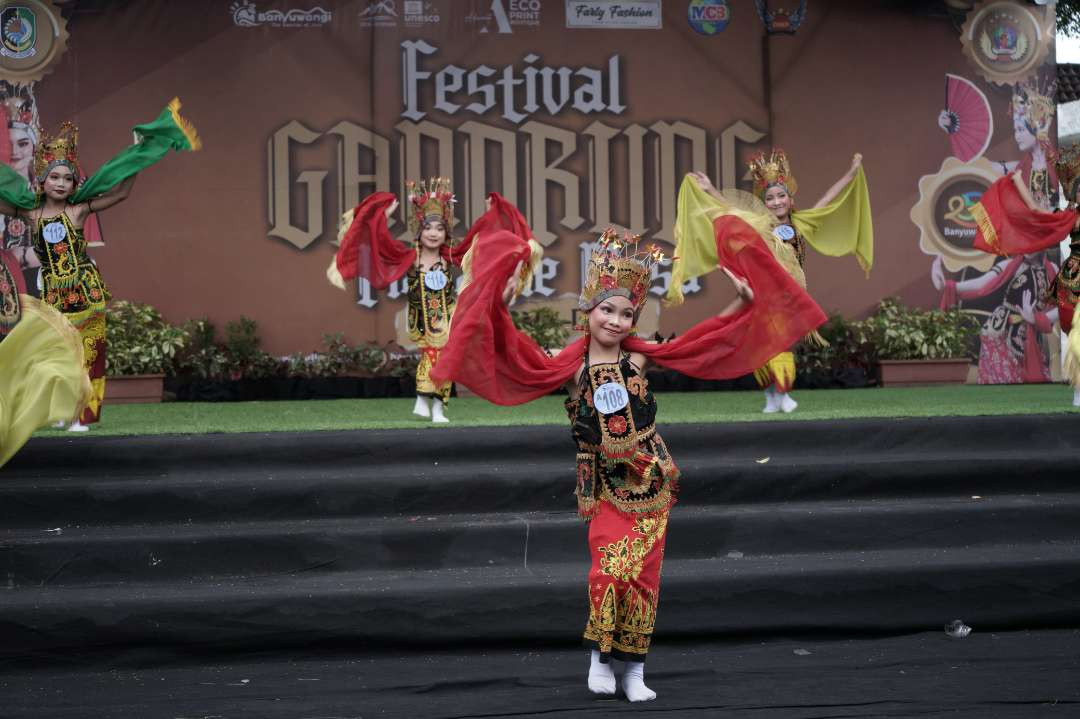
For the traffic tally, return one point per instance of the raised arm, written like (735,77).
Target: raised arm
(706,184)
(8,209)
(111,197)
(840,184)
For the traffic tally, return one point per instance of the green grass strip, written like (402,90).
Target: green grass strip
(674,407)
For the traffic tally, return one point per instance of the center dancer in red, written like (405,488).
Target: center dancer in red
(626,479)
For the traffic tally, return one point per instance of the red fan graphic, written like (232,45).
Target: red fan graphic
(970,124)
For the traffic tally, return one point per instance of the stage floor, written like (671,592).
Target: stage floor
(986,675)
(674,407)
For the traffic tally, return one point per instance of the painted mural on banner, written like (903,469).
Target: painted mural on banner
(1008,44)
(305,108)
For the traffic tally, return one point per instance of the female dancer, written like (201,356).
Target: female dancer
(368,250)
(626,479)
(44,379)
(71,281)
(838,224)
(1012,223)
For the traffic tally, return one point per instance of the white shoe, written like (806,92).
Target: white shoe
(787,404)
(772,402)
(78,426)
(437,412)
(1076,398)
(422,407)
(60,425)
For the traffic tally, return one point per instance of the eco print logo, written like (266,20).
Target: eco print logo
(18,32)
(507,14)
(708,17)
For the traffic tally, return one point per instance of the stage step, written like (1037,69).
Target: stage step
(212,551)
(989,587)
(448,537)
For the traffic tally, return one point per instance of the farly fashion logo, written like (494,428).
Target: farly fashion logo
(708,17)
(379,13)
(607,15)
(418,12)
(246,14)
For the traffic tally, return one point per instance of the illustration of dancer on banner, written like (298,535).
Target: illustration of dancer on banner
(1013,224)
(1012,347)
(56,214)
(838,224)
(626,479)
(368,250)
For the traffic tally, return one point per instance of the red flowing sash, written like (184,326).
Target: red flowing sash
(1007,226)
(487,354)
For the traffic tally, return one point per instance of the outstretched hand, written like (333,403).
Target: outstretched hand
(856,161)
(741,287)
(511,283)
(390,210)
(703,181)
(1027,307)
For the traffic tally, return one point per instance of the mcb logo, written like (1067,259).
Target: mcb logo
(708,17)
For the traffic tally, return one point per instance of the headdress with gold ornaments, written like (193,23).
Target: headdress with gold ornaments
(618,268)
(772,170)
(21,108)
(59,149)
(1036,107)
(430,200)
(1068,170)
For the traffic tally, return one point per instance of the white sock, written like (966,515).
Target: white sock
(422,406)
(1076,397)
(601,676)
(437,408)
(78,426)
(772,402)
(60,425)
(633,683)
(787,404)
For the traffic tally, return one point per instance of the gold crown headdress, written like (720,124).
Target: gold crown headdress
(772,170)
(430,199)
(1067,165)
(618,268)
(59,149)
(1035,106)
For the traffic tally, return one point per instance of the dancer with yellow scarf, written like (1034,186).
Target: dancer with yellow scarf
(838,224)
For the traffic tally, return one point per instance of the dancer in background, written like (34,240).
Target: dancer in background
(368,250)
(626,479)
(1012,223)
(838,224)
(42,375)
(71,281)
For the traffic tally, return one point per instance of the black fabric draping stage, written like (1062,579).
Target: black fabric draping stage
(440,573)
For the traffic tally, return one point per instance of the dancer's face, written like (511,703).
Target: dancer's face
(433,235)
(778,201)
(610,321)
(59,183)
(22,151)
(1025,140)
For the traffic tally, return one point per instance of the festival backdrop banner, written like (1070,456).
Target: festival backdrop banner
(584,113)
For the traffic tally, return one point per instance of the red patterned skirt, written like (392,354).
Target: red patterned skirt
(627,552)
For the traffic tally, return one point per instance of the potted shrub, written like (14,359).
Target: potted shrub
(915,346)
(142,347)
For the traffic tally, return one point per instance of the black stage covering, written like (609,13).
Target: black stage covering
(441,573)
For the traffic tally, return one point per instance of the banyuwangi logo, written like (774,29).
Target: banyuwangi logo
(246,14)
(379,13)
(944,216)
(626,15)
(18,32)
(33,36)
(418,12)
(1007,40)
